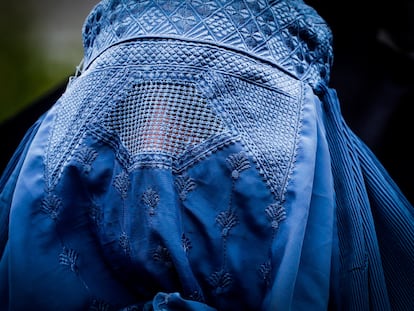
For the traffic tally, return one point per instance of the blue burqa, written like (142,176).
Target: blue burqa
(199,161)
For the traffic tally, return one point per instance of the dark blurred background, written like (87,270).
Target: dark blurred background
(40,44)
(373,69)
(373,73)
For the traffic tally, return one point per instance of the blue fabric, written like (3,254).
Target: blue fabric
(375,223)
(190,167)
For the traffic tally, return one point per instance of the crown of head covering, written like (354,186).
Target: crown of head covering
(289,34)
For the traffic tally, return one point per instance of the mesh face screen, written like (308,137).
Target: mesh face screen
(163,116)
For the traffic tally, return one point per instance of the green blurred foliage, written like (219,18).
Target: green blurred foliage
(26,73)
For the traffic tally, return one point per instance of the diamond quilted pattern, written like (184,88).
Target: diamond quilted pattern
(290,34)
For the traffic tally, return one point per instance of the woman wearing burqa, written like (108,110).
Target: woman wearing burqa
(199,161)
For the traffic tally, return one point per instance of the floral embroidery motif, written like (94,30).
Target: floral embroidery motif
(95,213)
(124,243)
(86,156)
(265,271)
(151,200)
(239,12)
(196,296)
(220,280)
(184,184)
(69,257)
(237,163)
(185,18)
(121,183)
(276,213)
(226,220)
(186,243)
(99,305)
(51,205)
(163,255)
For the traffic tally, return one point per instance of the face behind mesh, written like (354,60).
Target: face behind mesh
(163,117)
